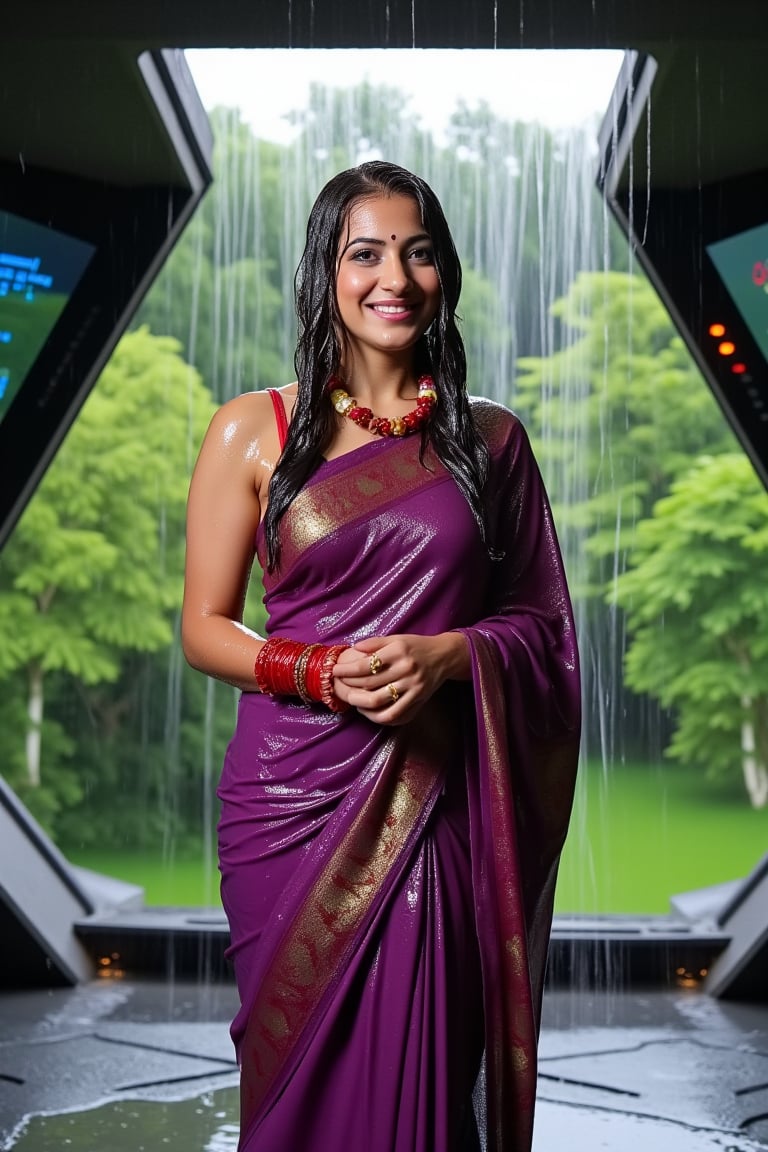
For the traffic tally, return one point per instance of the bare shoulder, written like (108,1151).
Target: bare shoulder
(497,423)
(245,414)
(246,426)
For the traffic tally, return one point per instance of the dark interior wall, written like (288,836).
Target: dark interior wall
(391,23)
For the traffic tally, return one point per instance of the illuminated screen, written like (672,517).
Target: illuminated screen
(39,269)
(742,264)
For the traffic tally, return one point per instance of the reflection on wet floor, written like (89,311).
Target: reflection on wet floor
(667,1071)
(586,1130)
(144,1067)
(207,1123)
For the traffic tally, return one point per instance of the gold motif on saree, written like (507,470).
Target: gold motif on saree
(367,486)
(516,955)
(514,1047)
(325,506)
(312,951)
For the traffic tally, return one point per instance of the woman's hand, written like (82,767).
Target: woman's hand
(389,678)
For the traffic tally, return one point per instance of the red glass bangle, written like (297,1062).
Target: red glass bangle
(312,675)
(262,669)
(300,673)
(275,664)
(327,694)
(289,668)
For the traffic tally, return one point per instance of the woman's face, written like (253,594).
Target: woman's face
(387,288)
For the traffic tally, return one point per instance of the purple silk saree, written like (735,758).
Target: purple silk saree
(389,890)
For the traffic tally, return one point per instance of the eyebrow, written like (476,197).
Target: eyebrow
(380,243)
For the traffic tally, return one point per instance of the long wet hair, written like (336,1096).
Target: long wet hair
(319,350)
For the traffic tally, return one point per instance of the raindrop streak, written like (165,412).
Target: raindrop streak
(510,190)
(543,265)
(647,169)
(527,221)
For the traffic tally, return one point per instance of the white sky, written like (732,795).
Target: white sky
(557,88)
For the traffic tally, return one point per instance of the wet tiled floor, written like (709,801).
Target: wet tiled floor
(673,1071)
(129,1066)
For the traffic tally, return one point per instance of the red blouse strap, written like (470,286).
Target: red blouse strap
(280,417)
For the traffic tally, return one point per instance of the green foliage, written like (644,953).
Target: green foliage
(94,566)
(93,571)
(91,582)
(697,601)
(149,749)
(617,417)
(62,787)
(617,413)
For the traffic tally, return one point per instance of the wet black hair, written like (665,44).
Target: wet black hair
(319,350)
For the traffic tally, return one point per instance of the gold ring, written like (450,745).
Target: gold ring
(374,663)
(393,693)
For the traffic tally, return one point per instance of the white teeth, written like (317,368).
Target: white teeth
(390,309)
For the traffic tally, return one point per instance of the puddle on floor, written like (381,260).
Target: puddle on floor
(206,1123)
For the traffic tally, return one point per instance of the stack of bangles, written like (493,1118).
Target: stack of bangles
(290,668)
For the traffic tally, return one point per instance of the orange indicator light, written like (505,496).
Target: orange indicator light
(717,329)
(726,348)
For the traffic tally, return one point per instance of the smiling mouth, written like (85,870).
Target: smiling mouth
(393,309)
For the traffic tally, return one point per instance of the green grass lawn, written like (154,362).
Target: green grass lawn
(185,881)
(642,834)
(638,836)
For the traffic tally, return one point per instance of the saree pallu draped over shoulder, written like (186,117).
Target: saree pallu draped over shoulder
(389,890)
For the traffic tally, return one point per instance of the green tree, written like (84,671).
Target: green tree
(94,568)
(149,747)
(616,414)
(696,600)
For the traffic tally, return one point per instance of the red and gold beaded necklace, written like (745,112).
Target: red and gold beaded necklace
(347,406)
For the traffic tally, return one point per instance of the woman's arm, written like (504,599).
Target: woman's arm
(227,493)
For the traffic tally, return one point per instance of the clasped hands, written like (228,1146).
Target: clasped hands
(389,678)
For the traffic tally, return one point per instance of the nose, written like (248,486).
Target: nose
(394,275)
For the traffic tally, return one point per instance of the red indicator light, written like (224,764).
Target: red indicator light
(726,348)
(738,368)
(717,329)
(760,274)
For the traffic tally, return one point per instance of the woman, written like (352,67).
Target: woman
(396,794)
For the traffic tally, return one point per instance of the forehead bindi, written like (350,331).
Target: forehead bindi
(386,218)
